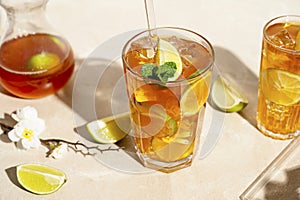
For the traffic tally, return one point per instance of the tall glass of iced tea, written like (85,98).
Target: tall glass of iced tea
(168,75)
(278,113)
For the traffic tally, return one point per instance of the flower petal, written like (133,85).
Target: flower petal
(35,143)
(59,151)
(55,154)
(12,135)
(26,143)
(39,124)
(15,117)
(27,112)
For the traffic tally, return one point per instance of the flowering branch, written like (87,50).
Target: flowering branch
(26,126)
(84,150)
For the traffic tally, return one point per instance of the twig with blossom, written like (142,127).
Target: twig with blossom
(25,131)
(84,150)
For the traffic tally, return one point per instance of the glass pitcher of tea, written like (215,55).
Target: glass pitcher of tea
(34,60)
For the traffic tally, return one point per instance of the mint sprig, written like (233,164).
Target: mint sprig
(161,73)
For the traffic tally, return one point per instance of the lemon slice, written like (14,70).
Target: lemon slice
(166,52)
(226,96)
(298,42)
(40,179)
(109,130)
(169,151)
(280,86)
(195,96)
(43,61)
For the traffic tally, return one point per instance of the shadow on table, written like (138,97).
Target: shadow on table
(6,125)
(97,90)
(289,189)
(241,76)
(12,175)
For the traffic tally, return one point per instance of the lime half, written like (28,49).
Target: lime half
(109,130)
(226,96)
(40,179)
(166,52)
(43,61)
(280,86)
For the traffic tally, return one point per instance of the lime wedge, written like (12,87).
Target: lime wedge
(195,96)
(298,42)
(280,86)
(109,130)
(166,52)
(43,61)
(40,179)
(226,96)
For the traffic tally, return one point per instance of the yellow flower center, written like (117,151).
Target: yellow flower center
(27,134)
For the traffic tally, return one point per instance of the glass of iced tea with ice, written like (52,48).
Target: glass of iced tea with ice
(278,112)
(168,74)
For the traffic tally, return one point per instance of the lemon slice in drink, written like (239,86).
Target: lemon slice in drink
(166,52)
(226,96)
(172,150)
(109,130)
(43,61)
(280,86)
(195,95)
(40,179)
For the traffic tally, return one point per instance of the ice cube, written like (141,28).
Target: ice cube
(283,39)
(190,52)
(146,46)
(145,42)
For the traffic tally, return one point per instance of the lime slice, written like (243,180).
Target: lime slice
(298,42)
(109,130)
(280,86)
(166,125)
(166,52)
(40,179)
(226,96)
(43,61)
(195,96)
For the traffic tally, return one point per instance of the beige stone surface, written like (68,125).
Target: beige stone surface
(242,152)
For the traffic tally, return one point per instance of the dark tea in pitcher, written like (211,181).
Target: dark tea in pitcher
(35,65)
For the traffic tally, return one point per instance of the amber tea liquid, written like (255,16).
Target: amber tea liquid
(278,113)
(16,78)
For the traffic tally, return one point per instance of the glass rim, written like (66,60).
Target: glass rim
(268,39)
(149,80)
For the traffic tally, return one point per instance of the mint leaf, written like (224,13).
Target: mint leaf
(148,70)
(162,73)
(166,71)
(171,65)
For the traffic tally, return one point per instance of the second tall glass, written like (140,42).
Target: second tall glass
(278,114)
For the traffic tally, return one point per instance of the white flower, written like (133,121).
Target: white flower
(58,151)
(27,112)
(27,132)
